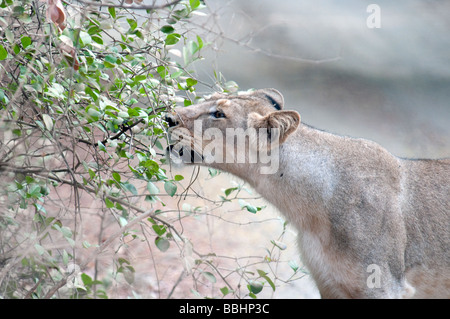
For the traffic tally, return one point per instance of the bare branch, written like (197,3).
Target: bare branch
(132,7)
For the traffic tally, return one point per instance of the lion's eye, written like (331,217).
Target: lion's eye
(218,114)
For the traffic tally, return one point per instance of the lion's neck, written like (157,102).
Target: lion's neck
(304,181)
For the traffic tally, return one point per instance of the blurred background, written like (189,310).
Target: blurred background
(389,84)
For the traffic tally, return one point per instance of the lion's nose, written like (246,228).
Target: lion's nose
(171,120)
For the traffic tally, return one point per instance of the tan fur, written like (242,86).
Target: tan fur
(353,203)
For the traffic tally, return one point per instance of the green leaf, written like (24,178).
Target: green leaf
(191,82)
(97,39)
(172,39)
(200,43)
(262,273)
(18,10)
(65,257)
(45,190)
(178,178)
(123,261)
(3,53)
(128,274)
(42,209)
(26,41)
(112,12)
(66,232)
(86,244)
(101,147)
(85,38)
(16,49)
(162,244)
(134,112)
(209,276)
(47,121)
(159,229)
(4,99)
(213,172)
(228,191)
(193,47)
(170,188)
(109,65)
(293,264)
(122,221)
(162,70)
(10,36)
(194,4)
(279,244)
(93,94)
(116,176)
(109,203)
(130,188)
(167,29)
(152,189)
(225,291)
(255,287)
(111,58)
(176,74)
(87,280)
(132,23)
(91,173)
(269,281)
(34,191)
(25,18)
(249,207)
(139,78)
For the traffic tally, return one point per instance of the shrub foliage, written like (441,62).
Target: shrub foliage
(83,90)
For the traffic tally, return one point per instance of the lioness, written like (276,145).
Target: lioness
(371,225)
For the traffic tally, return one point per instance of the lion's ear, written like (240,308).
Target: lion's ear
(277,125)
(273,96)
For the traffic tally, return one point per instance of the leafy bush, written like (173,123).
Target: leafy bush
(83,90)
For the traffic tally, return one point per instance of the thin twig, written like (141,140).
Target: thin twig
(179,280)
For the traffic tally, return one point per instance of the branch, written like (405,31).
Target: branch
(246,45)
(30,169)
(59,132)
(122,5)
(118,233)
(122,131)
(102,247)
